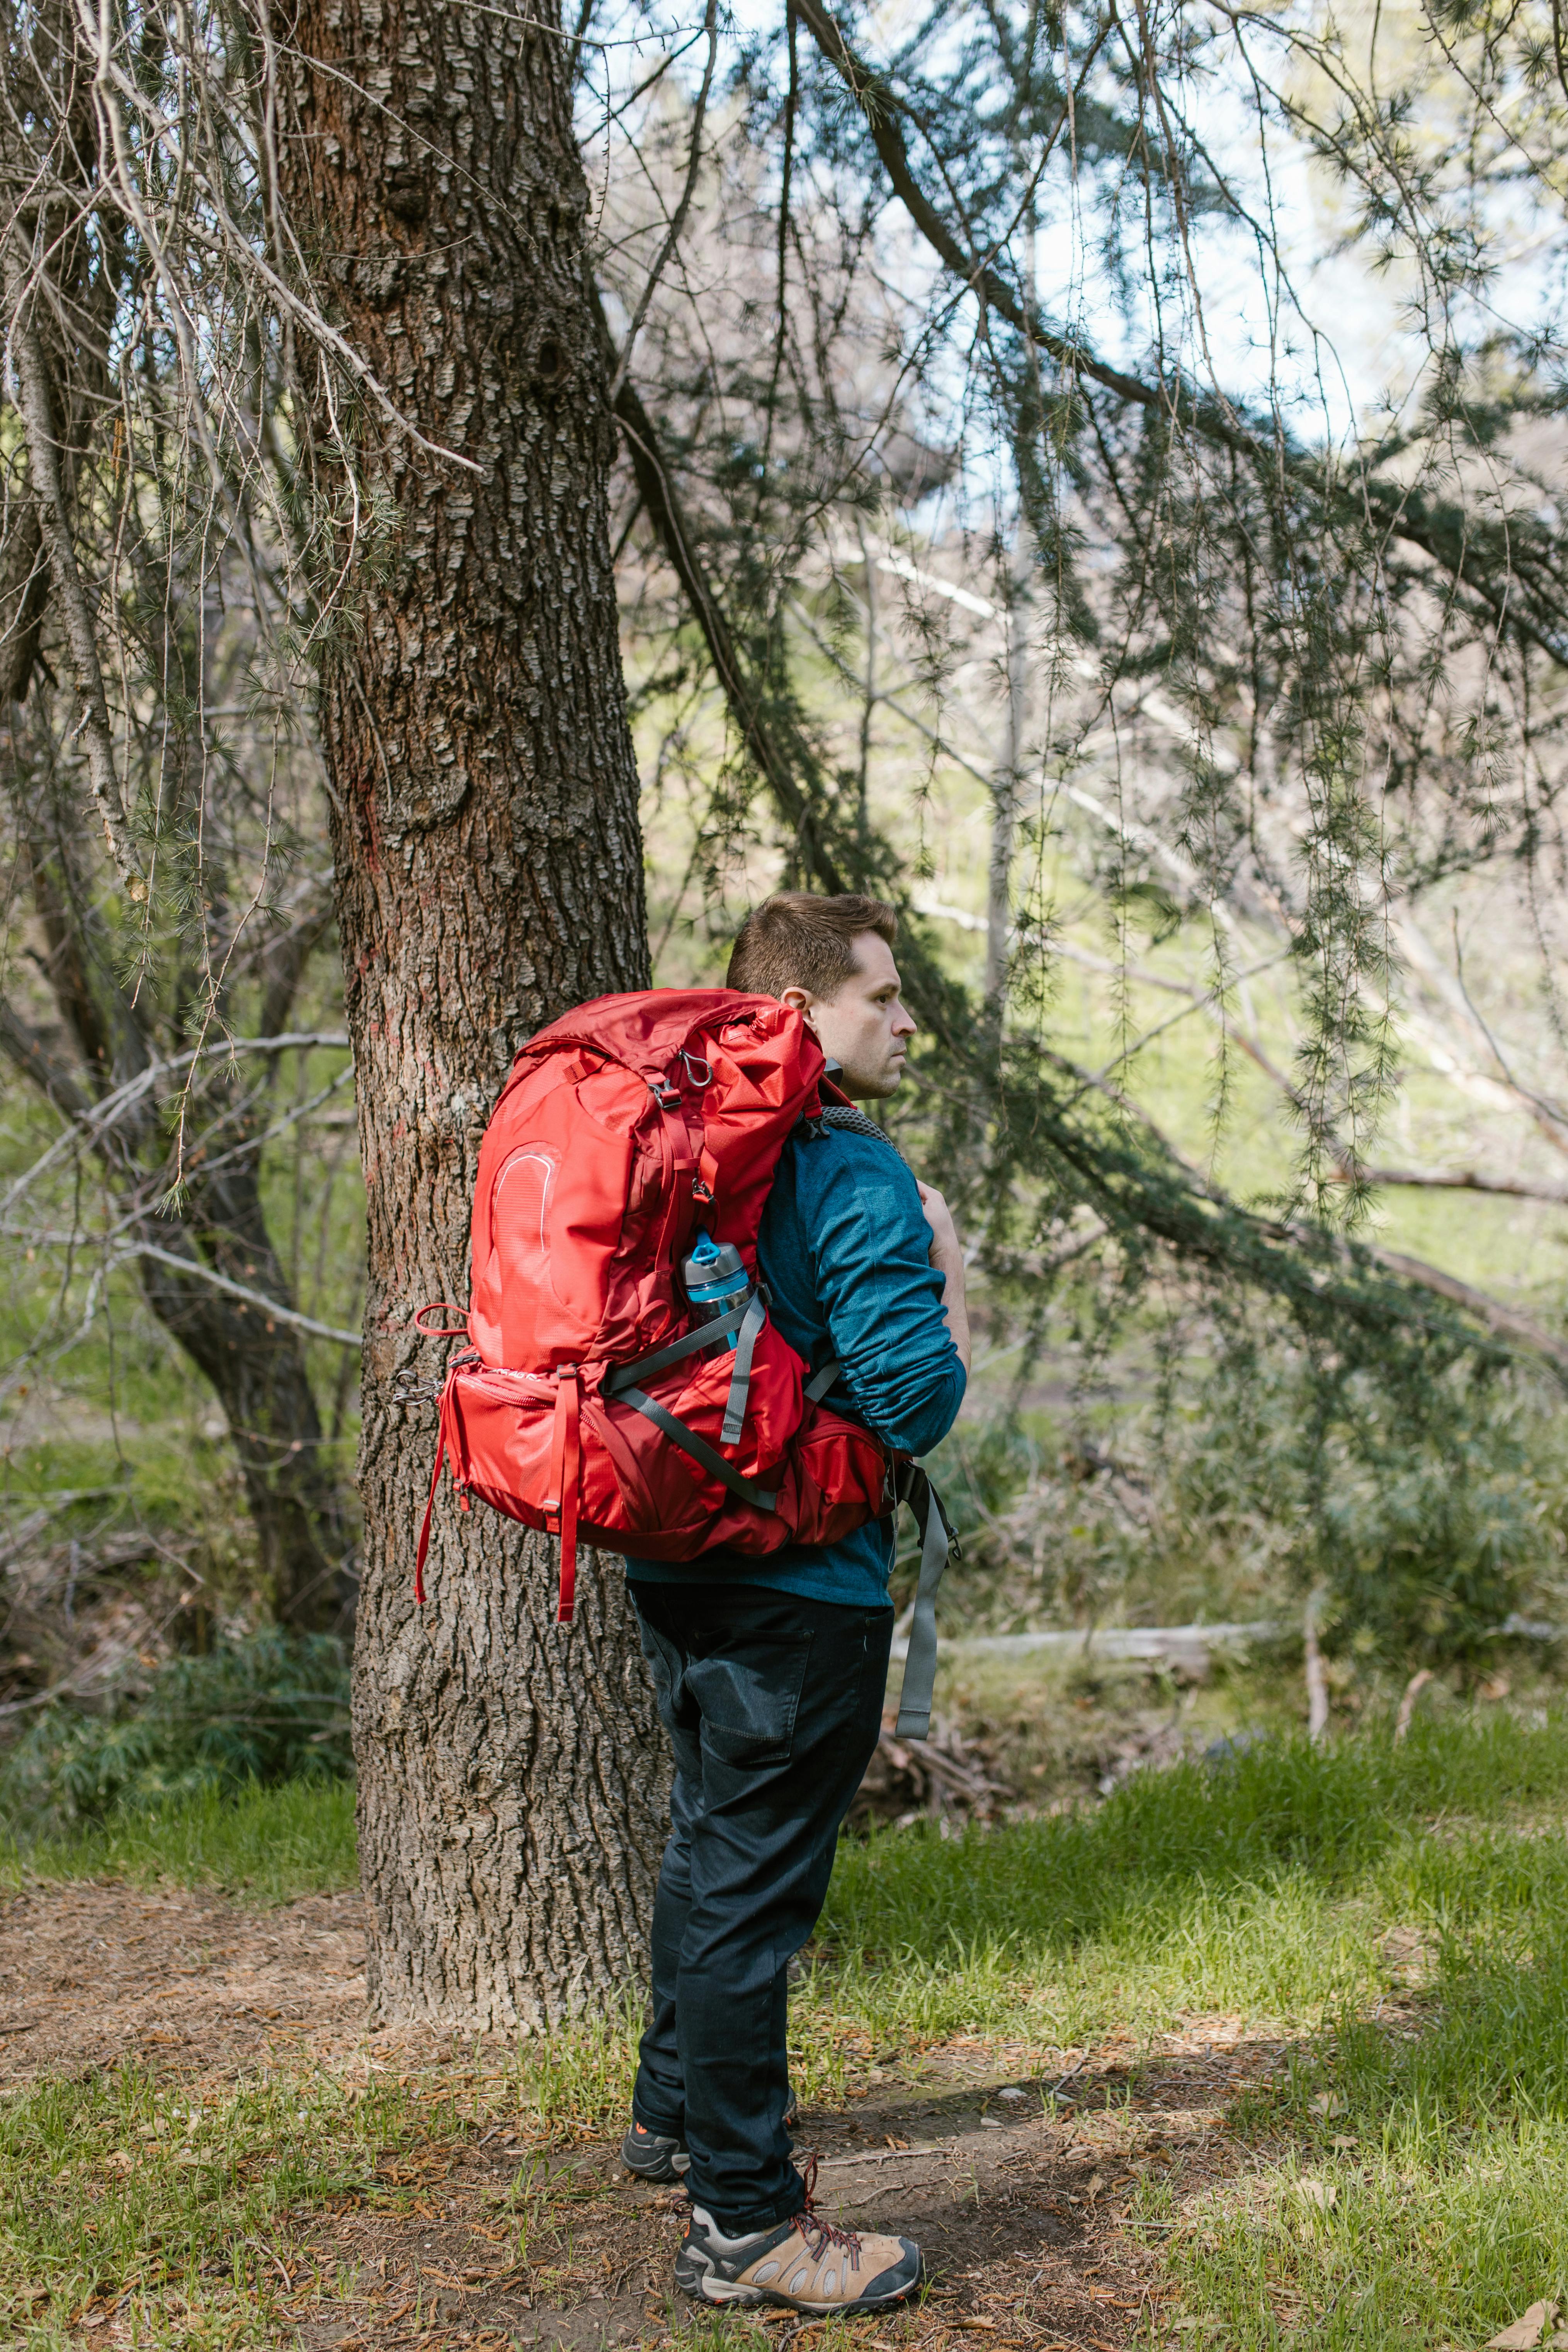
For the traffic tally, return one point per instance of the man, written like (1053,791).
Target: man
(769,1673)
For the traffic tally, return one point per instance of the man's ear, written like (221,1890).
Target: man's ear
(799,1000)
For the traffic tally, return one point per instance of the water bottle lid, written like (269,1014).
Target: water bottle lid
(704,1250)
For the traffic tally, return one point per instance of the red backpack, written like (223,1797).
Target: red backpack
(587,1404)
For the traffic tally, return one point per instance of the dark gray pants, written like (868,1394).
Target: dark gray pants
(772,1705)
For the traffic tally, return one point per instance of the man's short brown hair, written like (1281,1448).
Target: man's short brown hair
(797,941)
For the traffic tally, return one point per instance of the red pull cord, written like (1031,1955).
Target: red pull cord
(566,1477)
(429,1507)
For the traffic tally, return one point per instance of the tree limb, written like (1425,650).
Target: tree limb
(43,461)
(883,107)
(1465,1179)
(200,1272)
(677,219)
(1445,532)
(22,1045)
(1506,1321)
(24,599)
(100,1116)
(777,763)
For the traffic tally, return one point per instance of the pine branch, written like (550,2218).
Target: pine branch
(1134,1179)
(1506,570)
(773,739)
(1336,1286)
(883,108)
(1517,1330)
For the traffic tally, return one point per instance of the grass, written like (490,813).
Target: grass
(1434,2153)
(1405,2184)
(268,1845)
(1265,1887)
(163,2200)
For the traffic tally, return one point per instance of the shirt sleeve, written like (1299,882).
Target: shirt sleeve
(881,1296)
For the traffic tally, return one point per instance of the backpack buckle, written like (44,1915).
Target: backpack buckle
(666,1096)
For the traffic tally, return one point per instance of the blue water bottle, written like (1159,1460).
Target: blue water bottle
(716,1280)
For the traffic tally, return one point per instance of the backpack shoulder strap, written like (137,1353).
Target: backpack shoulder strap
(938,1545)
(851,1121)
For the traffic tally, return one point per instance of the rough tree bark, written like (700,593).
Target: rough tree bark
(489,874)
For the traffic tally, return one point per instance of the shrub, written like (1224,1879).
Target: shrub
(1429,1521)
(272,1708)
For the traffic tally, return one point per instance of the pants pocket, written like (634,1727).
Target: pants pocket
(664,1665)
(749,1704)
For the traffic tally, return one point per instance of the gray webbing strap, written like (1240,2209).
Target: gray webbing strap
(740,1378)
(698,1449)
(919,1660)
(703,1336)
(821,1381)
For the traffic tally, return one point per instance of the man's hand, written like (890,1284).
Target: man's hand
(947,1256)
(945,1252)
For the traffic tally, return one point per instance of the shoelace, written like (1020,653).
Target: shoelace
(818,2234)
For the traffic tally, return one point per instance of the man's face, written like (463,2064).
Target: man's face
(864,1025)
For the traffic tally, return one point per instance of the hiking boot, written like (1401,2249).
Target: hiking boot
(652,2158)
(804,2264)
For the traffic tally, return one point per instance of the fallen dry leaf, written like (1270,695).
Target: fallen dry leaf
(1322,2194)
(1327,2103)
(1526,2332)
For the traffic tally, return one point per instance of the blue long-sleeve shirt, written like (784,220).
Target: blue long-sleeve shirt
(845,1249)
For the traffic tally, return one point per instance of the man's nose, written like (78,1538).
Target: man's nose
(904,1023)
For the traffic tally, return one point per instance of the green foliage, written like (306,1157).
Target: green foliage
(1420,1510)
(1427,1512)
(1262,1885)
(1406,2183)
(272,1708)
(264,1846)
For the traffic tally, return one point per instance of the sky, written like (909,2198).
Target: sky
(1344,345)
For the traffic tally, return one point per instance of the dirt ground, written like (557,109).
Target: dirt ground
(1014,2183)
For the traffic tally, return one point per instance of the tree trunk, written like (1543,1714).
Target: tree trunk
(258,1368)
(489,874)
(260,1373)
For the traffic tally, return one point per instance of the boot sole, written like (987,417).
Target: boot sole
(664,2175)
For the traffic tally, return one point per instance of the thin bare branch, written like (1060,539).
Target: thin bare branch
(43,461)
